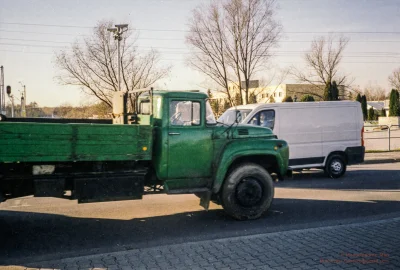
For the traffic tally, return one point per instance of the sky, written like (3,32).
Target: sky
(28,42)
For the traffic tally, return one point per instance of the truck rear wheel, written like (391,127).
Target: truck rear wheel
(247,192)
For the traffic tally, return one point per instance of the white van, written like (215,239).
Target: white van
(326,135)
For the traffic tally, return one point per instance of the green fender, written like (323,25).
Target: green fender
(242,148)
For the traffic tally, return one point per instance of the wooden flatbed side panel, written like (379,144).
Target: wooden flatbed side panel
(38,142)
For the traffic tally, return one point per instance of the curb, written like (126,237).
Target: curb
(380,161)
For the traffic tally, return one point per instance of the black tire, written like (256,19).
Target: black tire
(247,192)
(335,166)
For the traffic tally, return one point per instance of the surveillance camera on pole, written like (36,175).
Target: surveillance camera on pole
(118,30)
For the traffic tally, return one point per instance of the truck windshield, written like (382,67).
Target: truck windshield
(210,118)
(229,116)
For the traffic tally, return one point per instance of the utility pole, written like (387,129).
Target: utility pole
(23,108)
(118,30)
(23,101)
(12,105)
(2,94)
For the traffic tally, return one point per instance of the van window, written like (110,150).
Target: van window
(264,118)
(229,116)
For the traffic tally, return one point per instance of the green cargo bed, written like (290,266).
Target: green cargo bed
(45,142)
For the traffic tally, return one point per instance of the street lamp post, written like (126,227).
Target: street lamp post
(23,101)
(12,105)
(2,93)
(118,30)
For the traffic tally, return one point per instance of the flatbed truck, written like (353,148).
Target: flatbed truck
(172,145)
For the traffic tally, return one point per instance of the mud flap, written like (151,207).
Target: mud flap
(49,187)
(289,173)
(205,198)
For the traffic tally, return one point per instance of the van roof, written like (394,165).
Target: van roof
(343,103)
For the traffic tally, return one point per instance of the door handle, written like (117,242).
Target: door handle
(174,133)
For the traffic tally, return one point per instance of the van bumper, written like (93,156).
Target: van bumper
(355,155)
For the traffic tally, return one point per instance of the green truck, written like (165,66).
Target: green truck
(172,145)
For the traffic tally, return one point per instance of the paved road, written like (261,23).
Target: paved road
(372,245)
(38,229)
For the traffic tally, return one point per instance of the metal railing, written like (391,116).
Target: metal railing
(382,137)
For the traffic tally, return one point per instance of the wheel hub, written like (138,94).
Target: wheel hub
(249,192)
(336,166)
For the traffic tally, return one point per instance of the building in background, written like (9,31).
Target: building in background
(379,105)
(276,93)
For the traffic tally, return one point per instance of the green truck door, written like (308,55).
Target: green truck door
(189,142)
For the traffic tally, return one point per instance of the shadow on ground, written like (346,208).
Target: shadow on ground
(353,180)
(27,238)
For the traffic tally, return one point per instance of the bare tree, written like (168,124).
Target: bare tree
(231,40)
(375,92)
(93,65)
(253,32)
(394,79)
(322,65)
(206,39)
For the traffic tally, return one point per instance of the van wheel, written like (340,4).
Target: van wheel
(247,192)
(335,166)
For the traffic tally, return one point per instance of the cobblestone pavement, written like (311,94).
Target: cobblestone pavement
(371,245)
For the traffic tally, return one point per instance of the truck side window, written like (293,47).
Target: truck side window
(184,113)
(145,107)
(264,119)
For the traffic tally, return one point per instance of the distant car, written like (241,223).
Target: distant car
(325,135)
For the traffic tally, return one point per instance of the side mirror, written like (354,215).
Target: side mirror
(8,89)
(238,117)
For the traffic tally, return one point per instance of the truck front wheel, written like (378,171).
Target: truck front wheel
(247,192)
